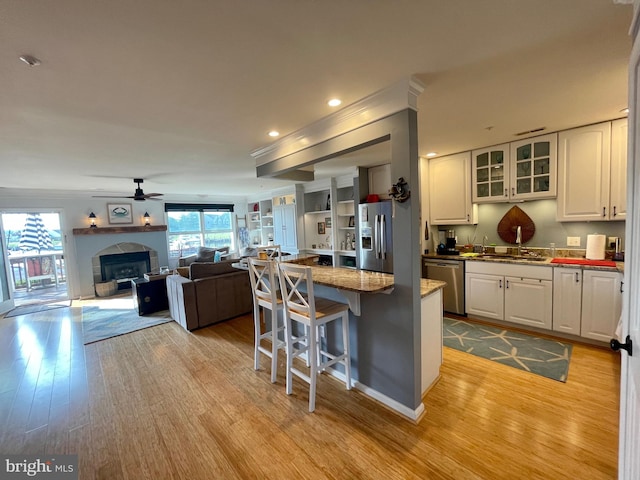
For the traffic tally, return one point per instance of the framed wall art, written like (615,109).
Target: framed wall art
(321,230)
(119,213)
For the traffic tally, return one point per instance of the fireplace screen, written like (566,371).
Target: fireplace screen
(123,267)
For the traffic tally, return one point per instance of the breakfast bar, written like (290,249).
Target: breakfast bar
(374,318)
(378,324)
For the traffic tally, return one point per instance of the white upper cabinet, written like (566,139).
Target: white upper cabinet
(490,174)
(450,192)
(592,172)
(380,180)
(522,170)
(533,164)
(618,189)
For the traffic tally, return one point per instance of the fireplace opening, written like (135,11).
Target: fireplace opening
(124,267)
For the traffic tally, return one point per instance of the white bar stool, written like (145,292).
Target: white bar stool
(264,284)
(312,312)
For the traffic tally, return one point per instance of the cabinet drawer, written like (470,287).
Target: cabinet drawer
(537,272)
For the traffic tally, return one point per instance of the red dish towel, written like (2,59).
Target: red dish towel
(584,261)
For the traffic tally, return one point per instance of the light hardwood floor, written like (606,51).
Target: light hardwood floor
(163,403)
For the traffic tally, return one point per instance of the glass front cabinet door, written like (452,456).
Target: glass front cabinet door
(533,168)
(490,174)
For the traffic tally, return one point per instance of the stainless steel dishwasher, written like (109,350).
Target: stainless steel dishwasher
(452,272)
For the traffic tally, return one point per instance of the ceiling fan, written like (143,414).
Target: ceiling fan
(139,195)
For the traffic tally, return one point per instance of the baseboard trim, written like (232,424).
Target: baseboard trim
(413,415)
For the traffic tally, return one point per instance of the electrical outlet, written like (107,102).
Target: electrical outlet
(573,241)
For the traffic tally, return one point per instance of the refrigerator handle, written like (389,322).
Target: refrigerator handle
(383,243)
(376,244)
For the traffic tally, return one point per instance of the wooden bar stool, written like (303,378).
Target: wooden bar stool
(264,284)
(311,312)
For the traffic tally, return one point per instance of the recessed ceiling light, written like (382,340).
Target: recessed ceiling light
(30,60)
(432,154)
(274,133)
(334,102)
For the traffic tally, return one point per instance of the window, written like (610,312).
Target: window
(191,226)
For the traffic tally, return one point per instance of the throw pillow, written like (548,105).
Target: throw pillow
(205,254)
(217,256)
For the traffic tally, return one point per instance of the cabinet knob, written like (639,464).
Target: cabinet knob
(506,192)
(499,283)
(604,211)
(628,345)
(513,190)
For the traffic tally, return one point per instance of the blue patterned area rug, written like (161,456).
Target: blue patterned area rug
(102,323)
(542,356)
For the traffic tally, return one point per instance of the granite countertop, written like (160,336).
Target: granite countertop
(428,286)
(540,261)
(363,281)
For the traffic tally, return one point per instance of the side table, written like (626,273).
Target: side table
(150,295)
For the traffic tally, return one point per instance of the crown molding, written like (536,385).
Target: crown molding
(399,96)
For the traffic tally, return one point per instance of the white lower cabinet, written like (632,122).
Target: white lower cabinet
(516,293)
(587,302)
(485,295)
(580,302)
(601,304)
(567,300)
(528,301)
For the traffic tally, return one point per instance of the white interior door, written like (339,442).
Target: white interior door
(629,446)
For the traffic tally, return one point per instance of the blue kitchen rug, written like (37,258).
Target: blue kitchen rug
(102,323)
(541,356)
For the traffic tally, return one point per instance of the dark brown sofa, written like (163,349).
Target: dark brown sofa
(213,292)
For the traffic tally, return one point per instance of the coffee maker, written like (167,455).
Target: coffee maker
(450,245)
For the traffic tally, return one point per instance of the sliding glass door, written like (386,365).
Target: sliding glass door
(33,257)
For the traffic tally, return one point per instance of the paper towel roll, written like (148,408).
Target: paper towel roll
(595,247)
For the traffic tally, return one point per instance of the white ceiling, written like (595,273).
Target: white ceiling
(180,93)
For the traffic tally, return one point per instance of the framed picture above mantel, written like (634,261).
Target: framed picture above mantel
(119,213)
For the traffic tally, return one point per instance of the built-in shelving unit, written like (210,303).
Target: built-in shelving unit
(318,222)
(260,222)
(329,221)
(346,231)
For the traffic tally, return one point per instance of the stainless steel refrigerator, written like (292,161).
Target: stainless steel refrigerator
(375,248)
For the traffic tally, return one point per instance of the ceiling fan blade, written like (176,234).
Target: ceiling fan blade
(111,196)
(138,195)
